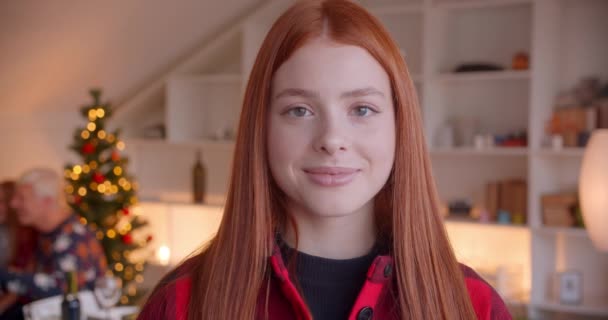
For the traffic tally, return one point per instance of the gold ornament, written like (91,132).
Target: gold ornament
(92,115)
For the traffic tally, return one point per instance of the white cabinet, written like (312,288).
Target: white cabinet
(565,39)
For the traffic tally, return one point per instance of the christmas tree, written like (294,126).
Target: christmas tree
(103,194)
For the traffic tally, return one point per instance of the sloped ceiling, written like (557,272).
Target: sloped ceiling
(52,52)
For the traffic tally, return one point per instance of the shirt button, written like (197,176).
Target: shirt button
(388,270)
(365,314)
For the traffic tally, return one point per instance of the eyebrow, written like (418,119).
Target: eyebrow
(293,92)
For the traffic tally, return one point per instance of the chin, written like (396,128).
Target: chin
(334,207)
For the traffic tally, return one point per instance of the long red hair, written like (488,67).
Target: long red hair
(233,266)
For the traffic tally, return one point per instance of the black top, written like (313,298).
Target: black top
(329,287)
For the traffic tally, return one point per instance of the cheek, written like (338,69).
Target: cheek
(379,142)
(286,143)
(31,207)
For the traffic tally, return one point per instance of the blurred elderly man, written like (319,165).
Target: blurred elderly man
(64,244)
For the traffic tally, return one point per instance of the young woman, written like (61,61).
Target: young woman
(17,243)
(332,211)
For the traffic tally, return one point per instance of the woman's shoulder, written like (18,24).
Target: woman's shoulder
(169,300)
(486,301)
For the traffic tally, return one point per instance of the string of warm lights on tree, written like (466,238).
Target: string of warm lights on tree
(103,194)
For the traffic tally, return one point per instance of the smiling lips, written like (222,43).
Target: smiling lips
(331,176)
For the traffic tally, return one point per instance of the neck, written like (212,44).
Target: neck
(333,237)
(54,219)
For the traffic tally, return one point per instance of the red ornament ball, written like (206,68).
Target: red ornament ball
(115,156)
(127,239)
(125,211)
(77,199)
(88,148)
(98,178)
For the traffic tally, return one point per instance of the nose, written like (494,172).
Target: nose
(332,136)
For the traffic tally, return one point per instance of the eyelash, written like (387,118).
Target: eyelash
(291,111)
(372,110)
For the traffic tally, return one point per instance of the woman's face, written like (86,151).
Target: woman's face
(331,139)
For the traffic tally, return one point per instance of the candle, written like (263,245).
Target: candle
(163,254)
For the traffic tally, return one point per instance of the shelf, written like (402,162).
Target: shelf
(565,152)
(469,151)
(207,143)
(568,231)
(483,76)
(214,78)
(593,307)
(517,302)
(470,222)
(477,4)
(213,201)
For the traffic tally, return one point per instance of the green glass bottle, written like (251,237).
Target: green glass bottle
(70,307)
(198,177)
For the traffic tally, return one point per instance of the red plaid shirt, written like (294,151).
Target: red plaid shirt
(373,302)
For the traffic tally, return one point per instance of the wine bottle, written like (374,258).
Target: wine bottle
(198,177)
(70,307)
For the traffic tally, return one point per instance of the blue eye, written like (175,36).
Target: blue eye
(299,112)
(364,111)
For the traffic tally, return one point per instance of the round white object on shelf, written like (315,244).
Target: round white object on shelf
(593,188)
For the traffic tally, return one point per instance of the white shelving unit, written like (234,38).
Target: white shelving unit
(566,40)
(483,76)
(493,151)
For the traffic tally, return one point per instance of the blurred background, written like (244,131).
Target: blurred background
(510,92)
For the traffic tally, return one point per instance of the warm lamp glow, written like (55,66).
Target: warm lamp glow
(593,188)
(163,254)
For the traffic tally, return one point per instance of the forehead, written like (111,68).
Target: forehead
(324,66)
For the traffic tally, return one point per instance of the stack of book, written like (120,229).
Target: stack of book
(508,197)
(559,210)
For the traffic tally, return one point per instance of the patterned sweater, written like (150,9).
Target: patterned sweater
(70,247)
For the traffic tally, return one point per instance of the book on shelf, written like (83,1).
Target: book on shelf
(559,210)
(508,195)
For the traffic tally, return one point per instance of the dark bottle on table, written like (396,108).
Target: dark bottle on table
(70,307)
(198,179)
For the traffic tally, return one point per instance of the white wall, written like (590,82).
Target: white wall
(36,139)
(52,52)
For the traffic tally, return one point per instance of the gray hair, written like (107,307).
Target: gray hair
(45,182)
